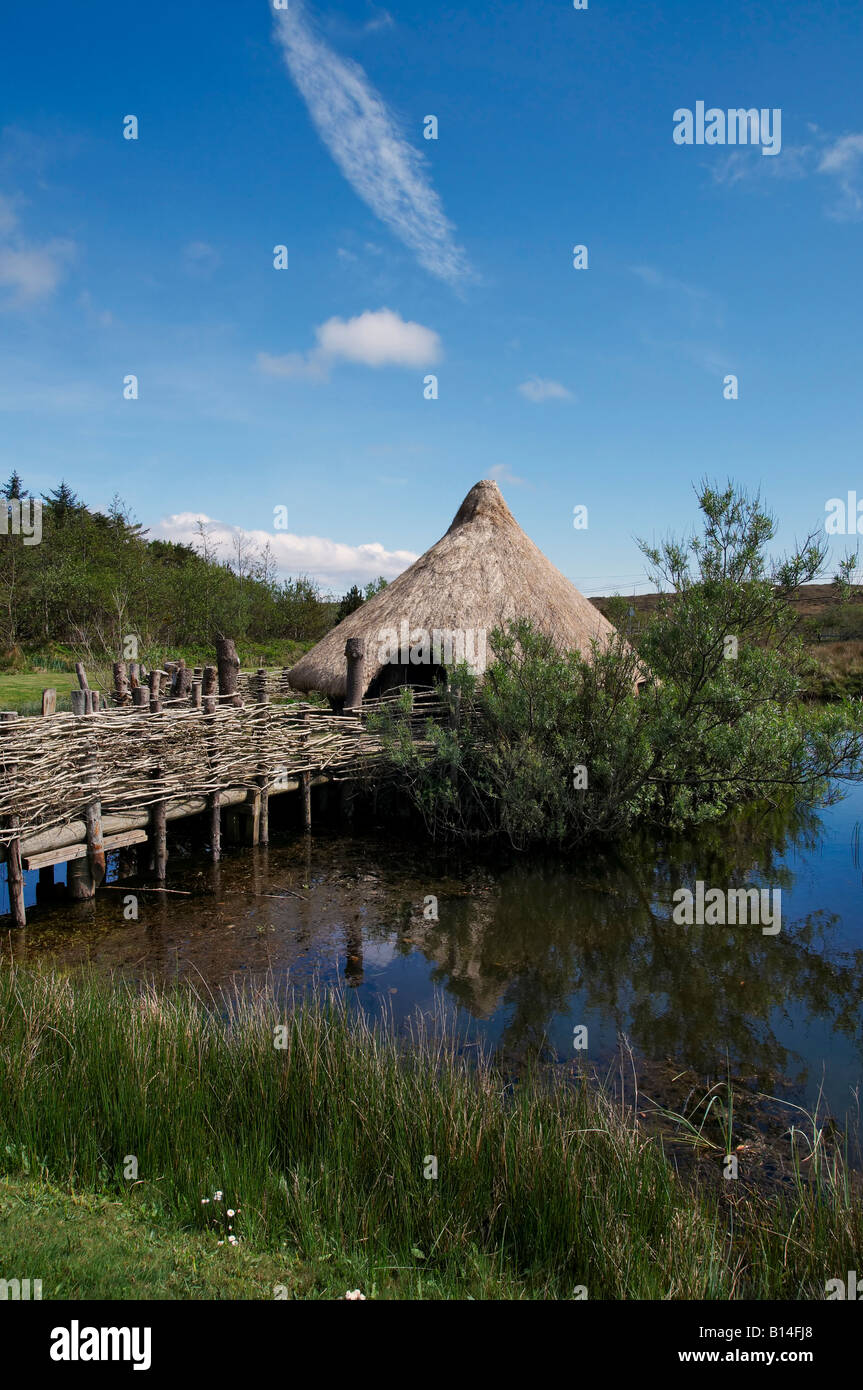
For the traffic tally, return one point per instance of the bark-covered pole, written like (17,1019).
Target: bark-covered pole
(159,811)
(229,672)
(14,872)
(121,684)
(208,704)
(262,699)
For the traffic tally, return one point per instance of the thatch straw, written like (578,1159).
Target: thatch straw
(483,574)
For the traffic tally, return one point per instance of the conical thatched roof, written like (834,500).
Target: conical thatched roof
(484,573)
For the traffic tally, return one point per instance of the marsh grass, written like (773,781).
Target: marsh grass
(543,1184)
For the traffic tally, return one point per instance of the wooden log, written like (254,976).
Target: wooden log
(73,832)
(49,702)
(229,671)
(121,684)
(159,811)
(45,862)
(208,703)
(14,871)
(355,686)
(82,675)
(306,782)
(95,702)
(195,695)
(140,697)
(263,699)
(158,823)
(155,681)
(181,685)
(79,880)
(175,669)
(134,674)
(78,701)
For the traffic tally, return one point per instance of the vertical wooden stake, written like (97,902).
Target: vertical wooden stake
(306,786)
(263,699)
(14,872)
(229,671)
(208,704)
(158,812)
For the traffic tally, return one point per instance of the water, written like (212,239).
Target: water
(529,948)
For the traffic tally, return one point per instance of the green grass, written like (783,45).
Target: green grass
(22,690)
(320,1147)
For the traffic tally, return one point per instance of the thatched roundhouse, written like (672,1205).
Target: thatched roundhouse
(483,574)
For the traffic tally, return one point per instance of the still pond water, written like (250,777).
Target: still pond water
(525,950)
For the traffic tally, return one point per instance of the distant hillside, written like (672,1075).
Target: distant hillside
(832,631)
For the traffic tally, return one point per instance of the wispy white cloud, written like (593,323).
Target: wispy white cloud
(28,271)
(200,258)
(538,389)
(378,338)
(333,563)
(365,140)
(502,473)
(835,158)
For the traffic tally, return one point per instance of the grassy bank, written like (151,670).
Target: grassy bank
(320,1148)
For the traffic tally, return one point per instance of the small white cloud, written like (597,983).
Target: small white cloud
(332,563)
(381,339)
(537,389)
(378,338)
(842,156)
(33,272)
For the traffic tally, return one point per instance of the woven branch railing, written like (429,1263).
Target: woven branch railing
(50,769)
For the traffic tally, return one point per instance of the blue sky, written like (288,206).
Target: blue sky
(261,388)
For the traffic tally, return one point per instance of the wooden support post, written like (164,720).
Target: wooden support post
(134,674)
(158,812)
(140,697)
(182,685)
(306,783)
(208,704)
(79,880)
(84,882)
(355,654)
(229,672)
(156,691)
(195,695)
(83,683)
(49,702)
(14,872)
(158,829)
(121,684)
(262,698)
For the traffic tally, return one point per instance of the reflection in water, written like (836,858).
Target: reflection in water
(530,948)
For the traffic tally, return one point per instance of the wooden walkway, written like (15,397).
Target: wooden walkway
(74,787)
